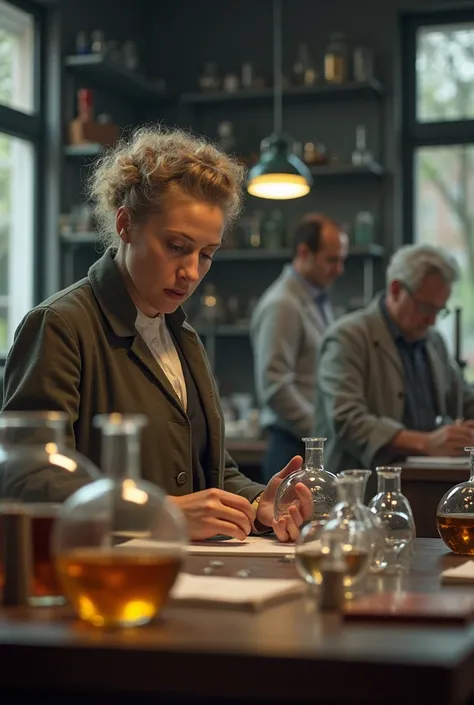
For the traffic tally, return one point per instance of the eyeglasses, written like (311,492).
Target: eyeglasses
(425,308)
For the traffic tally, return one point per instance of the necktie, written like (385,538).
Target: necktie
(320,301)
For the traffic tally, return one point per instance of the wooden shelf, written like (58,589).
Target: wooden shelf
(82,151)
(347,170)
(113,78)
(294,93)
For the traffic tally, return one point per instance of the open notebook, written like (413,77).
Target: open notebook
(251,546)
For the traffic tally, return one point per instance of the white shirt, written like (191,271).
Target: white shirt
(156,335)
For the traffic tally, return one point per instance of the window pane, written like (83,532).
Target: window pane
(16,58)
(445,73)
(445,216)
(16,234)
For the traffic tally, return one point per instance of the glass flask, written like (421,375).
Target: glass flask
(372,520)
(361,156)
(455,514)
(37,473)
(119,542)
(310,550)
(394,511)
(348,521)
(320,482)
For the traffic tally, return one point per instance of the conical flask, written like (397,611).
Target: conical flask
(119,542)
(455,514)
(319,481)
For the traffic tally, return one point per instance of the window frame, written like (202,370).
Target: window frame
(31,127)
(413,134)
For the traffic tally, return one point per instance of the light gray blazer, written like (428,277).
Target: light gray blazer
(360,389)
(286,330)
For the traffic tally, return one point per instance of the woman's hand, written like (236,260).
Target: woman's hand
(212,512)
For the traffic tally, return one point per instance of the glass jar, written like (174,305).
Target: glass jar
(361,156)
(38,472)
(319,481)
(455,514)
(336,59)
(394,511)
(119,542)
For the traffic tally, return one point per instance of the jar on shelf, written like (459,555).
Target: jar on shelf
(336,59)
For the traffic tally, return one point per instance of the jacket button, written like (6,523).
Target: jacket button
(401,395)
(182,478)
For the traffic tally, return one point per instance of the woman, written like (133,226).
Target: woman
(118,341)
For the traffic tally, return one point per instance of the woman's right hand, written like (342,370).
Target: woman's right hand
(212,512)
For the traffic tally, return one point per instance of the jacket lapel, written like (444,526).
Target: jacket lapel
(382,338)
(207,390)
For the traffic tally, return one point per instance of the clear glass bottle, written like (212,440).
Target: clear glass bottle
(211,311)
(304,72)
(361,156)
(38,472)
(364,228)
(394,511)
(372,520)
(363,64)
(119,542)
(319,481)
(209,79)
(350,522)
(455,514)
(336,59)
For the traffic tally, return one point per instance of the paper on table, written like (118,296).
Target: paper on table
(234,593)
(463,573)
(251,546)
(426,461)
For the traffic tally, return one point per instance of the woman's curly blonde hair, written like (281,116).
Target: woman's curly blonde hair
(143,170)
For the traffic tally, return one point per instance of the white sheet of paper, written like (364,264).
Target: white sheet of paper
(427,462)
(463,573)
(252,546)
(214,591)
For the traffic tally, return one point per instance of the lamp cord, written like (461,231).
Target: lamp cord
(277,69)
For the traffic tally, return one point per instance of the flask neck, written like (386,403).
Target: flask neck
(388,482)
(120,455)
(350,490)
(313,457)
(32,428)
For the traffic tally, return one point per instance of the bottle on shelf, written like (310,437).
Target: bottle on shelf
(361,156)
(336,59)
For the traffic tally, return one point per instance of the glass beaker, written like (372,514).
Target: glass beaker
(361,156)
(394,511)
(37,473)
(119,542)
(319,481)
(455,514)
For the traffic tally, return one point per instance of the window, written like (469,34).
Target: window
(438,149)
(19,140)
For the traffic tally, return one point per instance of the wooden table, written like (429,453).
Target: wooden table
(285,654)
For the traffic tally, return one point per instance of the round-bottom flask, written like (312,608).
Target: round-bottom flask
(455,514)
(319,481)
(395,514)
(119,542)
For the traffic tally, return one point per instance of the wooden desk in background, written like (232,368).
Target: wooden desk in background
(284,655)
(423,487)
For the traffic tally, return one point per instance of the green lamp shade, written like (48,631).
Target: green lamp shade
(279,175)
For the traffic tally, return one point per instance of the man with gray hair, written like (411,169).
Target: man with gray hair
(386,385)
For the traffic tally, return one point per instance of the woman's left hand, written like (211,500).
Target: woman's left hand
(288,527)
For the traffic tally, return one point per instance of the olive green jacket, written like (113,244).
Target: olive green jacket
(79,352)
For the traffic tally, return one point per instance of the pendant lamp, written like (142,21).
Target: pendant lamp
(278,174)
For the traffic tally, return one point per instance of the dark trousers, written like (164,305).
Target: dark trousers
(281,448)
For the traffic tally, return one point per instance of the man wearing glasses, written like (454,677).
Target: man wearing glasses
(386,385)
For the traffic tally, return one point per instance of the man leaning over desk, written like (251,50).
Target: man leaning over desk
(387,387)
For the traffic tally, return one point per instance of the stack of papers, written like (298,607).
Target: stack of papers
(463,573)
(235,593)
(428,462)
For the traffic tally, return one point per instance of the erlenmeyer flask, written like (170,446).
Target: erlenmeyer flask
(119,541)
(320,482)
